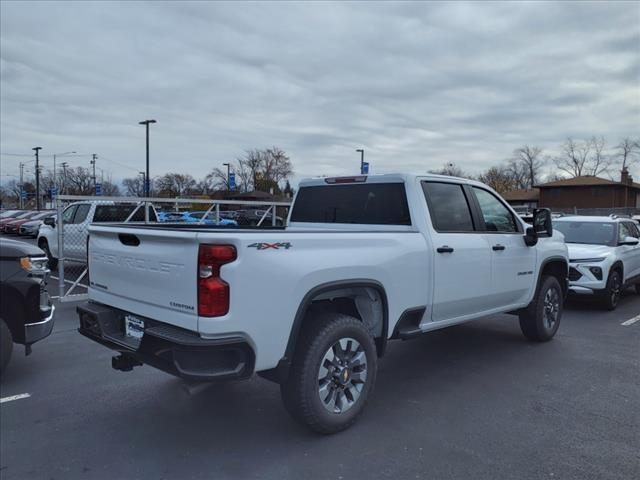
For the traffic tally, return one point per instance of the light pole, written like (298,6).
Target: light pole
(64,176)
(146,176)
(228,172)
(37,150)
(361,150)
(55,183)
(94,157)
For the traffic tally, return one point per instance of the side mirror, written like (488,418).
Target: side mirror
(631,241)
(530,237)
(51,221)
(542,222)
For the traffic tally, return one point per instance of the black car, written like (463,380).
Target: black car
(26,312)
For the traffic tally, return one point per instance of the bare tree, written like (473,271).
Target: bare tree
(450,169)
(175,185)
(600,161)
(628,150)
(500,178)
(255,170)
(134,186)
(216,179)
(79,181)
(526,164)
(582,158)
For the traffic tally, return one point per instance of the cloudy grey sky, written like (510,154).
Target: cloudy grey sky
(416,84)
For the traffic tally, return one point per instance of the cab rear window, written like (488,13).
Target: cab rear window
(119,213)
(361,204)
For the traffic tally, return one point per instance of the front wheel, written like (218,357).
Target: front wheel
(540,320)
(332,374)
(611,296)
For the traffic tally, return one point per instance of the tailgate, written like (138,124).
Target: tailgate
(148,272)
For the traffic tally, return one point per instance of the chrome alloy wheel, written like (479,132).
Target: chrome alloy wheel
(342,375)
(551,307)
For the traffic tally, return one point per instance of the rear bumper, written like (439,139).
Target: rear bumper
(171,349)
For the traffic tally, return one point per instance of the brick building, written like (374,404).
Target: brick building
(590,192)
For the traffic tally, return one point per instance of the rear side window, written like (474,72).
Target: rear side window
(448,206)
(361,204)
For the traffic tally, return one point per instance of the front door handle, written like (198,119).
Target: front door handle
(444,249)
(498,247)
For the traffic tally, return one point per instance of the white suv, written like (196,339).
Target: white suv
(604,255)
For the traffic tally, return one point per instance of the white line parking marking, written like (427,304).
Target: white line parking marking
(15,397)
(631,321)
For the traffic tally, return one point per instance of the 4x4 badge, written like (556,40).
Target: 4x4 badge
(266,246)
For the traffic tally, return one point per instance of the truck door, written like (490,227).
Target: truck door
(513,263)
(462,256)
(75,233)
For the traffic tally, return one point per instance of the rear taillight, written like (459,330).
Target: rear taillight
(213,292)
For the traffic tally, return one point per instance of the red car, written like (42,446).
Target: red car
(23,216)
(14,225)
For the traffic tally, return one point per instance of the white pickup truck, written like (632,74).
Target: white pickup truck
(311,306)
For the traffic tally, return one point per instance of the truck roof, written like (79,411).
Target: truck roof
(379,178)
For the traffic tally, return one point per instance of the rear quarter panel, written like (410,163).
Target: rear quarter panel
(269,284)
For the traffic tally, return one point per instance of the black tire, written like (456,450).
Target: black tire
(53,262)
(301,392)
(539,322)
(6,345)
(611,295)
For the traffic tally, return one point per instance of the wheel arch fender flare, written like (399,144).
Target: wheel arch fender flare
(281,372)
(546,265)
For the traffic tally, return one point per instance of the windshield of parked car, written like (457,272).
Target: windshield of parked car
(8,213)
(590,233)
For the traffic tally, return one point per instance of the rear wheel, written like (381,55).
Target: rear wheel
(540,320)
(53,262)
(6,345)
(611,296)
(332,374)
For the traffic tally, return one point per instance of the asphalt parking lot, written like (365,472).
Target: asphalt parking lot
(472,401)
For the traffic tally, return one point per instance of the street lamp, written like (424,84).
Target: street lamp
(361,150)
(146,178)
(37,150)
(228,173)
(55,183)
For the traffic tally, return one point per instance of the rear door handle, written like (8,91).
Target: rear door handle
(498,247)
(444,249)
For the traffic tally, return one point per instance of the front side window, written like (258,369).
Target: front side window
(635,230)
(81,213)
(69,212)
(627,230)
(497,217)
(448,207)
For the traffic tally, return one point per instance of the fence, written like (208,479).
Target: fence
(66,241)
